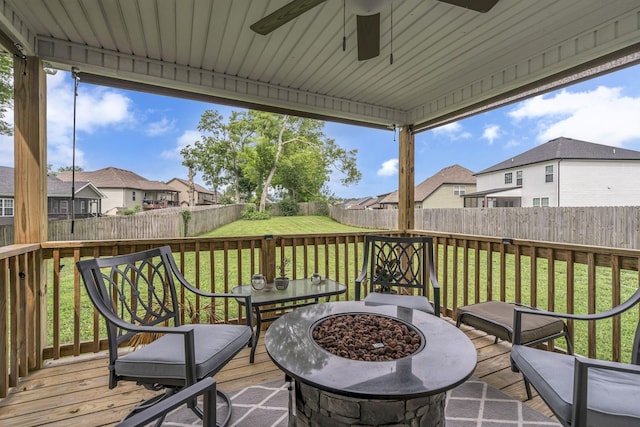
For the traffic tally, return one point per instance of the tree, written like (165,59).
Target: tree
(6,92)
(218,153)
(69,169)
(257,153)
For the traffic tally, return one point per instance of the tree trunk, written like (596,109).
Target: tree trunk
(272,172)
(191,188)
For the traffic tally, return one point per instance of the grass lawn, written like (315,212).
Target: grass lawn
(283,225)
(228,269)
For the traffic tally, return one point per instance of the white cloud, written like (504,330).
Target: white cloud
(389,168)
(97,108)
(602,115)
(160,127)
(491,133)
(452,131)
(187,138)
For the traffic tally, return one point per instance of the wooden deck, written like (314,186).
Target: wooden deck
(75,392)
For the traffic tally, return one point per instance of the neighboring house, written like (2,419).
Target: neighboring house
(561,172)
(87,198)
(125,189)
(201,195)
(360,203)
(441,190)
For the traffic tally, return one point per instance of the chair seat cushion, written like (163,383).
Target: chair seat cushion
(496,318)
(164,357)
(612,398)
(415,302)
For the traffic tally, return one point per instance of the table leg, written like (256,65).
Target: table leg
(256,335)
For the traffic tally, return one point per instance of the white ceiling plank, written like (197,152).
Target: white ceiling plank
(446,58)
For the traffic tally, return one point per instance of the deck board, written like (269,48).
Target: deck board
(75,392)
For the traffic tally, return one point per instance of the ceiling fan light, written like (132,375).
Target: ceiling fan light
(367,7)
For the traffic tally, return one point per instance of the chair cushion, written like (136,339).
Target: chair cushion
(496,318)
(612,398)
(164,357)
(415,302)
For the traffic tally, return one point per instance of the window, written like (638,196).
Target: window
(459,190)
(133,196)
(508,178)
(6,207)
(64,206)
(83,206)
(548,172)
(541,202)
(519,178)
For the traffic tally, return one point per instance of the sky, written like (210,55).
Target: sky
(144,133)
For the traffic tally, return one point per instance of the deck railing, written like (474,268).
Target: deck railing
(52,317)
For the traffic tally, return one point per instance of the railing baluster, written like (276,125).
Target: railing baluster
(591,303)
(4,320)
(615,300)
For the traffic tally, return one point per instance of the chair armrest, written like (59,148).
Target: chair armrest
(206,386)
(519,311)
(186,284)
(581,383)
(362,277)
(433,279)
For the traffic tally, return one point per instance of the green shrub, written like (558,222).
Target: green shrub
(132,211)
(250,212)
(289,207)
(323,210)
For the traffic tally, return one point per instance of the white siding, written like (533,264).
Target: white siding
(534,184)
(114,199)
(599,183)
(580,182)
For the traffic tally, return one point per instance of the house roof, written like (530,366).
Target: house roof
(454,174)
(199,188)
(117,178)
(564,148)
(55,186)
(447,60)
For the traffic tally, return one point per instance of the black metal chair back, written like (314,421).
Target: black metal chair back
(401,265)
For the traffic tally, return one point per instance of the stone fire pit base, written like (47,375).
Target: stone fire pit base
(315,407)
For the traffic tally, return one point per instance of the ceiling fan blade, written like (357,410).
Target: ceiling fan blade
(477,5)
(283,15)
(368,36)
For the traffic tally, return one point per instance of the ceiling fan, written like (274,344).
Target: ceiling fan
(368,19)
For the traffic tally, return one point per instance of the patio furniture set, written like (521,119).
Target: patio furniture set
(137,294)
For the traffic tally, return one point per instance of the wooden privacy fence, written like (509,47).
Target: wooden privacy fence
(47,314)
(615,226)
(161,223)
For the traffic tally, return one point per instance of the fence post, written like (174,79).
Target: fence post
(268,258)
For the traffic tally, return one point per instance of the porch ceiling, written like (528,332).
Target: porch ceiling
(447,60)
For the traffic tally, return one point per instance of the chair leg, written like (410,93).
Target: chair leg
(527,386)
(225,398)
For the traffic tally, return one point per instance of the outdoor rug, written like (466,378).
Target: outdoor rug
(472,404)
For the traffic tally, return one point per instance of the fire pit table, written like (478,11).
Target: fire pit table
(329,389)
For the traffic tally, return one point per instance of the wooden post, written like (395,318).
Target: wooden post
(268,258)
(30,151)
(406,196)
(30,177)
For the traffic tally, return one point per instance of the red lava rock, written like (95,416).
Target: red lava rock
(366,337)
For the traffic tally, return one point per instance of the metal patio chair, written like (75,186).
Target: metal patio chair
(206,387)
(582,391)
(136,294)
(394,268)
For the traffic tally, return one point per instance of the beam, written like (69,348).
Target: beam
(406,193)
